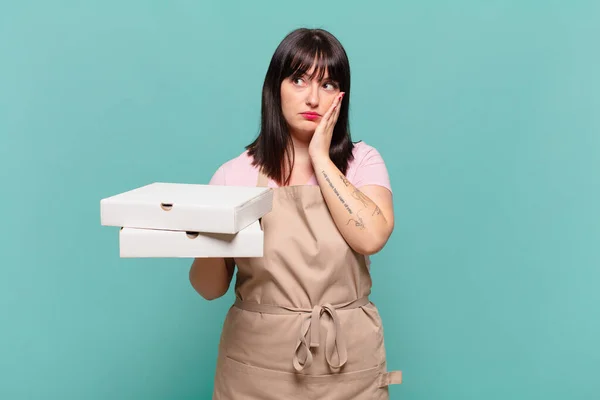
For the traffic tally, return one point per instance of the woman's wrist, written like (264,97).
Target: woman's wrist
(319,161)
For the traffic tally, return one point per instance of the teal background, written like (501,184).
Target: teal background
(487,114)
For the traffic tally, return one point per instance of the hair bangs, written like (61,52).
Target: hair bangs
(314,55)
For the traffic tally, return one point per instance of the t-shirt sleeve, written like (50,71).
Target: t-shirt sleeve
(372,170)
(218,177)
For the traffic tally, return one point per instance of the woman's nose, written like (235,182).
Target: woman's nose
(312,95)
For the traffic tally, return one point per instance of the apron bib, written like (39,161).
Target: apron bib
(302,326)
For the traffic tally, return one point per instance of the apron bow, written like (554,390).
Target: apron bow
(310,338)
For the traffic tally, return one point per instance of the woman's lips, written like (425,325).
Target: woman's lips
(310,115)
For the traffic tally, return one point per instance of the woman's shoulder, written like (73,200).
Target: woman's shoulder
(237,171)
(362,152)
(367,167)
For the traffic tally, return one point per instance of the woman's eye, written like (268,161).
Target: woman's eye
(298,81)
(330,86)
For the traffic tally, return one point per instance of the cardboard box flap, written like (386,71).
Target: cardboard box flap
(197,195)
(187,207)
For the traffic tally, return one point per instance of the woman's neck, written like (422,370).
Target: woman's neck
(301,157)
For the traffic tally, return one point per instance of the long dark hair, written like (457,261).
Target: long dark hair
(294,56)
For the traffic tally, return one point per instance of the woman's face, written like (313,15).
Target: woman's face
(305,101)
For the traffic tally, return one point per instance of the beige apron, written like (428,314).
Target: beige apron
(302,326)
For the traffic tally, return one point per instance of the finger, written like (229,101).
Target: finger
(333,120)
(336,116)
(339,106)
(331,110)
(335,103)
(336,109)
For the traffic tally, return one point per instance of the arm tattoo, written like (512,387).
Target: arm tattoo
(356,219)
(358,195)
(339,196)
(345,180)
(358,222)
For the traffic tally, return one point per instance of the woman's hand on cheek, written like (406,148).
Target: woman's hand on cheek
(321,140)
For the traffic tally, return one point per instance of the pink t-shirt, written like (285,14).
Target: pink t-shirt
(367,168)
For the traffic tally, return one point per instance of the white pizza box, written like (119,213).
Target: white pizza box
(141,243)
(187,207)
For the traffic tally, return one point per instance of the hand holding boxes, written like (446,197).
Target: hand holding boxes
(189,220)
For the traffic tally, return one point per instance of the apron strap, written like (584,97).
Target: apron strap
(263,180)
(390,378)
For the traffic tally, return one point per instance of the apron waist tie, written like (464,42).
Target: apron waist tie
(310,330)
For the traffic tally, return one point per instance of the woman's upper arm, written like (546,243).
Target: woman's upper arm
(382,197)
(372,178)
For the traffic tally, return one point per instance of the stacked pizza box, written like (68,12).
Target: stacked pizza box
(188,220)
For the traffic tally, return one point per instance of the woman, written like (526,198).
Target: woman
(302,326)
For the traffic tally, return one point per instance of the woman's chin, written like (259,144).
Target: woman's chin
(303,135)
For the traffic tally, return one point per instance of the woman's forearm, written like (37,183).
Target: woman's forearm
(211,277)
(359,219)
